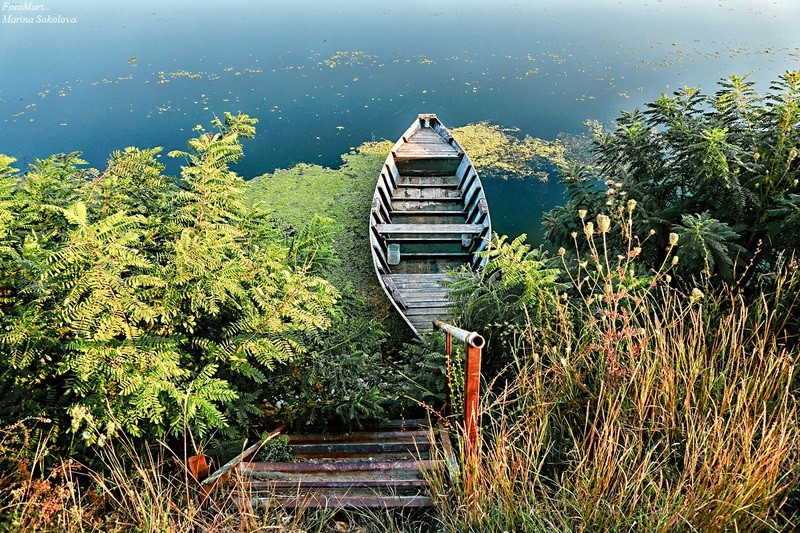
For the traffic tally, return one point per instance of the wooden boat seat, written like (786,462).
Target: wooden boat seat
(433,229)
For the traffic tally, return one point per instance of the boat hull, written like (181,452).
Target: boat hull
(429,215)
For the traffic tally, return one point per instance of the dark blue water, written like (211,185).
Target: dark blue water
(325,76)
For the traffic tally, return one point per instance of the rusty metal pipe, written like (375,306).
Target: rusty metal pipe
(470,337)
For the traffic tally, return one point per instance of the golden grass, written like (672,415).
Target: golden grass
(673,414)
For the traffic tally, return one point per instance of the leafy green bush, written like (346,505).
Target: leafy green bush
(344,379)
(517,282)
(133,301)
(722,170)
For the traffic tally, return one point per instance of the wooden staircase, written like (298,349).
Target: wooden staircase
(382,467)
(377,468)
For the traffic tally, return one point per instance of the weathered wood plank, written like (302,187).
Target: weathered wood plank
(422,240)
(423,204)
(420,153)
(427,193)
(427,304)
(438,296)
(429,228)
(418,280)
(344,502)
(415,277)
(430,213)
(436,255)
(339,449)
(449,181)
(422,294)
(340,466)
(428,284)
(360,436)
(428,311)
(425,323)
(305,483)
(421,284)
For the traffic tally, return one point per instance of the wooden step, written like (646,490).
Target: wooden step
(383,467)
(359,436)
(335,449)
(385,482)
(344,501)
(254,469)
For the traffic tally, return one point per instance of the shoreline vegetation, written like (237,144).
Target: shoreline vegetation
(641,377)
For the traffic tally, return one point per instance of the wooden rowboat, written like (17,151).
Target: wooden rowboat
(429,215)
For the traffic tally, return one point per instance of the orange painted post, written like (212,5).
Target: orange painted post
(472,391)
(448,350)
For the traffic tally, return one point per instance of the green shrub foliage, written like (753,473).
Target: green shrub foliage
(134,301)
(721,170)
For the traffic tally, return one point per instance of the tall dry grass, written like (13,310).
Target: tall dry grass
(641,410)
(149,490)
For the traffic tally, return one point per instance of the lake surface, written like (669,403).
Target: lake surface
(325,76)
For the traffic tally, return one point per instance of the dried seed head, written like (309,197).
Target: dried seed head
(561,251)
(588,229)
(631,205)
(652,231)
(792,154)
(673,239)
(697,294)
(582,213)
(603,223)
(574,234)
(675,260)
